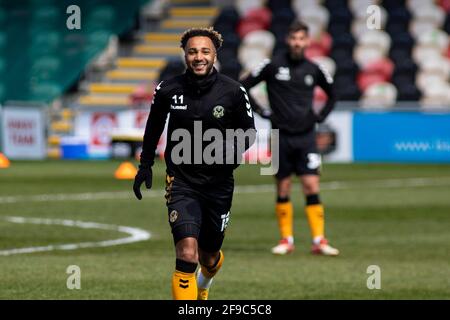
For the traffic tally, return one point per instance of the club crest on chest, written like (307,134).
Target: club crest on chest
(218,112)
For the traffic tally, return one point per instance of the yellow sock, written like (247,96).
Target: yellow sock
(184,286)
(210,273)
(205,278)
(315,214)
(285,214)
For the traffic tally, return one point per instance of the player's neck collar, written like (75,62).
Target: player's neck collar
(201,83)
(295,60)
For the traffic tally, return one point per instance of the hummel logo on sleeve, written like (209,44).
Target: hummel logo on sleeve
(247,104)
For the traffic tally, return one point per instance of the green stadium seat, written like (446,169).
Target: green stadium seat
(2,66)
(105,14)
(45,58)
(44,43)
(49,16)
(49,63)
(3,17)
(45,91)
(2,91)
(40,3)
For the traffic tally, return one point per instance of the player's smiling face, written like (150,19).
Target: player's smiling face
(200,55)
(297,43)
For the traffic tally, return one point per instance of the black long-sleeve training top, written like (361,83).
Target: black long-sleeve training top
(196,105)
(290,88)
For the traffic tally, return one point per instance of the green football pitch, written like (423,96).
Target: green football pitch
(393,216)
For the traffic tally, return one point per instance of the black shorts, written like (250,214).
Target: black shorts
(202,212)
(298,154)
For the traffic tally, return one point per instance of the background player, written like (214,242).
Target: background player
(291,79)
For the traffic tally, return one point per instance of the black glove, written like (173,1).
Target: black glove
(144,174)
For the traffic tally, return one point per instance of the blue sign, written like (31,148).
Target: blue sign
(401,137)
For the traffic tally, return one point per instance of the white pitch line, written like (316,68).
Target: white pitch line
(242,189)
(358,184)
(136,235)
(77,196)
(142,235)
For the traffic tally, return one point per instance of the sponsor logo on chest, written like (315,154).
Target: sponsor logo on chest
(283,74)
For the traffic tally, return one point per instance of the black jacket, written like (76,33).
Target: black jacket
(290,88)
(196,105)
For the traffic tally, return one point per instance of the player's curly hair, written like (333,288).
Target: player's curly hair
(209,32)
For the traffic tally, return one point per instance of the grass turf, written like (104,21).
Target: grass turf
(376,215)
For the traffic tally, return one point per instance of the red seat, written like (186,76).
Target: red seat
(314,51)
(142,94)
(255,19)
(383,66)
(320,46)
(375,72)
(245,27)
(262,15)
(320,98)
(445,4)
(326,42)
(366,79)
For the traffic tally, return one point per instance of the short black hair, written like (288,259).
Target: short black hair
(297,26)
(209,32)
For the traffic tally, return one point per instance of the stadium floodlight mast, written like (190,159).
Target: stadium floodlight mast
(220,149)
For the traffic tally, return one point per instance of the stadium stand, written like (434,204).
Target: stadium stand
(124,48)
(407,51)
(402,56)
(55,55)
(155,55)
